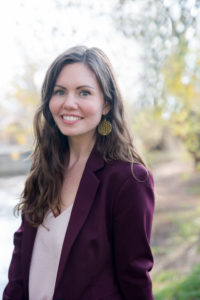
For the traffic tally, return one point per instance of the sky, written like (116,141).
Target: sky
(35,31)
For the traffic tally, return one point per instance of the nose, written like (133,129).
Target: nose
(70,101)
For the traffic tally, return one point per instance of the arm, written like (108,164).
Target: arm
(133,212)
(14,288)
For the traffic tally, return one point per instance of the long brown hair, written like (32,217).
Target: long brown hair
(43,185)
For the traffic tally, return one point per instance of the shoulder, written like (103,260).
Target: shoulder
(134,192)
(129,190)
(134,173)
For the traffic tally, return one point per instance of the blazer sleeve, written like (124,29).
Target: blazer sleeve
(14,288)
(133,213)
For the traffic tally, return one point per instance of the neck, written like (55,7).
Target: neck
(79,149)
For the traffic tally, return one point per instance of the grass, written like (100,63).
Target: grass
(188,225)
(177,228)
(156,157)
(184,289)
(194,190)
(176,235)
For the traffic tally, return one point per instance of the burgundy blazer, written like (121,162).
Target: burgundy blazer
(106,253)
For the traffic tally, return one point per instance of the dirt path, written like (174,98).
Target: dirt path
(176,234)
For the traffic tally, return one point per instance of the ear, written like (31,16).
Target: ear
(106,108)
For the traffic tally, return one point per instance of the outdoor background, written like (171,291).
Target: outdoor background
(154,48)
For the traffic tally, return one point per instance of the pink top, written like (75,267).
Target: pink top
(46,255)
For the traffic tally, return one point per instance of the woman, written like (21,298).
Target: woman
(88,201)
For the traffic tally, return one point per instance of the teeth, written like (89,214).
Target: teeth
(71,118)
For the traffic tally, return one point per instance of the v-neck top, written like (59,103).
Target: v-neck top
(46,255)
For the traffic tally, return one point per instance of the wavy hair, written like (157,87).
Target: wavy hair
(41,191)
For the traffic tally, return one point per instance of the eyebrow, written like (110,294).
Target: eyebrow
(78,88)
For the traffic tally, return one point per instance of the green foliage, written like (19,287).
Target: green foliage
(25,92)
(185,289)
(148,121)
(153,135)
(19,133)
(171,66)
(185,113)
(160,26)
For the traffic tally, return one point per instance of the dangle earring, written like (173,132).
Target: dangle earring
(104,127)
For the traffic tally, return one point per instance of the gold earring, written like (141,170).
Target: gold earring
(105,127)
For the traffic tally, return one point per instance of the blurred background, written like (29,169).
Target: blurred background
(154,48)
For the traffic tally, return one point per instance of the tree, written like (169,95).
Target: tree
(182,87)
(168,31)
(25,92)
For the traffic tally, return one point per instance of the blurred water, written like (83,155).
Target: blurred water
(10,189)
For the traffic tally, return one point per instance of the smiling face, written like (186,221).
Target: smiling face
(77,103)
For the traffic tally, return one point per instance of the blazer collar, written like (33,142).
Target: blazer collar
(80,210)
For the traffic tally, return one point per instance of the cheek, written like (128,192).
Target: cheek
(94,111)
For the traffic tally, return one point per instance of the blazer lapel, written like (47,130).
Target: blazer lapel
(82,205)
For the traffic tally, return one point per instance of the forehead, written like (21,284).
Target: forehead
(76,74)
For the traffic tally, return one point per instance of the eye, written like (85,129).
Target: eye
(59,92)
(84,93)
